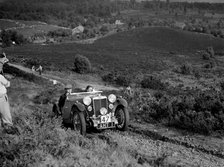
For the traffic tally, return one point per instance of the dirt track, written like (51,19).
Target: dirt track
(79,83)
(148,149)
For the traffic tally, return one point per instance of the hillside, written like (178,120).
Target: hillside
(43,142)
(161,39)
(147,49)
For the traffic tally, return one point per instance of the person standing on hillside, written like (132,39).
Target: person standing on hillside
(33,68)
(40,69)
(5,114)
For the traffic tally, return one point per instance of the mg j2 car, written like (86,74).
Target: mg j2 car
(83,110)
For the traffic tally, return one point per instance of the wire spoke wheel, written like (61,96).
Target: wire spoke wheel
(77,122)
(120,115)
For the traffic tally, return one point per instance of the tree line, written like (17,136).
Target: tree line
(45,10)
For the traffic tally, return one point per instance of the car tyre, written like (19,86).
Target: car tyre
(122,115)
(79,122)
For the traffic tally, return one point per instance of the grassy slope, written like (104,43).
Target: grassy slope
(44,143)
(146,49)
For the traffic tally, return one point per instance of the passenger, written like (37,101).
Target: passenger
(89,88)
(61,102)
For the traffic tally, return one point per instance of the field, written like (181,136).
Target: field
(27,28)
(147,49)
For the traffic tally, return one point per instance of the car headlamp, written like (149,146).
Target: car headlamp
(112,98)
(90,108)
(111,106)
(103,111)
(87,100)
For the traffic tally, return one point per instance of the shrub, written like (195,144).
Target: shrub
(153,83)
(11,36)
(60,33)
(82,64)
(109,77)
(116,78)
(89,33)
(185,69)
(211,64)
(104,29)
(123,80)
(31,62)
(206,56)
(198,111)
(222,85)
(45,97)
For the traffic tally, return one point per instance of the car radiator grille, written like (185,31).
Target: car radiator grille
(98,104)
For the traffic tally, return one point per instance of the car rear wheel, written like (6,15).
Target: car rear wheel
(122,116)
(79,122)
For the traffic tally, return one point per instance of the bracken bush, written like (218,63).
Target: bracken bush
(123,80)
(152,82)
(117,78)
(185,69)
(193,110)
(109,77)
(206,56)
(82,64)
(41,137)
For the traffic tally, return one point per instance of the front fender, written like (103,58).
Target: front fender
(120,102)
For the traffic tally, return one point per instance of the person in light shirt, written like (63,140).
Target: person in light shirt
(5,115)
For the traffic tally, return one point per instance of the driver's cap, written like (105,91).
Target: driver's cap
(68,86)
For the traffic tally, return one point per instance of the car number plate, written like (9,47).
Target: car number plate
(105,118)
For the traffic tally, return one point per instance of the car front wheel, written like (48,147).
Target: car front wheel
(79,122)
(122,116)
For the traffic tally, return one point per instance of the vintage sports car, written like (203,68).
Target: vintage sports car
(91,109)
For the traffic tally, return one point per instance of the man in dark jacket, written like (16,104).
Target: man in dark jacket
(61,102)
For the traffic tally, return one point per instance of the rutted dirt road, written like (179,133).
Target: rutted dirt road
(147,150)
(60,79)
